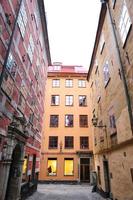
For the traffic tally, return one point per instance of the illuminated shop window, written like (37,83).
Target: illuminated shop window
(52,167)
(24,169)
(69,167)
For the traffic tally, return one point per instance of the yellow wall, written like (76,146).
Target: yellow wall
(63,131)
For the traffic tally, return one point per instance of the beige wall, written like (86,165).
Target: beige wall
(63,131)
(113,100)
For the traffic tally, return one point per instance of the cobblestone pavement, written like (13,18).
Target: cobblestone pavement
(64,192)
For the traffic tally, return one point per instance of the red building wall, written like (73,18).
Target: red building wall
(22,87)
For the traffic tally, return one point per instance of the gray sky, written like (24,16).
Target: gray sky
(72,28)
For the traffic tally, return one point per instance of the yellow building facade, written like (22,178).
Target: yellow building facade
(66,153)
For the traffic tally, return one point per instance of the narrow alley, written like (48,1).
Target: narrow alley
(64,192)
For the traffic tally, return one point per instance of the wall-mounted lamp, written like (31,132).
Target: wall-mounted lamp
(95,121)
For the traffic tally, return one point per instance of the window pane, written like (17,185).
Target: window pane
(69,120)
(124,23)
(69,100)
(52,167)
(53,142)
(69,83)
(68,142)
(68,167)
(106,73)
(81,83)
(56,83)
(54,121)
(82,100)
(83,120)
(84,142)
(55,100)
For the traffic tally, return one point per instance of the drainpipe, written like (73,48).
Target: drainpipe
(9,46)
(128,101)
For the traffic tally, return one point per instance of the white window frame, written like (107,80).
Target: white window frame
(22,20)
(69,83)
(106,73)
(57,100)
(69,100)
(56,83)
(124,23)
(81,83)
(31,48)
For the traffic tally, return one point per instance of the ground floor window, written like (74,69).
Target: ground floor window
(52,166)
(24,169)
(69,164)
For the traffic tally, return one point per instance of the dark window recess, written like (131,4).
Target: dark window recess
(68,142)
(83,120)
(31,118)
(53,142)
(82,100)
(54,120)
(99,174)
(69,120)
(84,142)
(112,121)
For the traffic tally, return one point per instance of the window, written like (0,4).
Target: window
(31,117)
(113,3)
(69,120)
(83,120)
(54,120)
(55,100)
(82,100)
(56,83)
(112,121)
(102,43)
(11,65)
(21,102)
(53,142)
(37,15)
(22,20)
(81,83)
(69,142)
(99,174)
(24,169)
(52,167)
(84,142)
(69,83)
(124,23)
(69,100)
(31,48)
(68,171)
(57,67)
(106,73)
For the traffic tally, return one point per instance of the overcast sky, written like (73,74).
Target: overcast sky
(72,28)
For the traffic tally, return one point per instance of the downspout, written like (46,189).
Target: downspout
(9,46)
(128,101)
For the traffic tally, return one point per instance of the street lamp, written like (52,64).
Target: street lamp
(95,121)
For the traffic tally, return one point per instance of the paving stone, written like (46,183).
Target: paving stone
(64,192)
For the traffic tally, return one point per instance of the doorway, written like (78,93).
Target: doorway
(84,169)
(106,176)
(14,175)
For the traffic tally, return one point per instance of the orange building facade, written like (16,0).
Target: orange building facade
(66,153)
